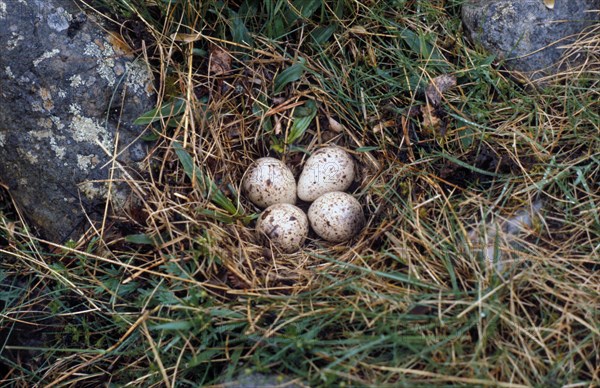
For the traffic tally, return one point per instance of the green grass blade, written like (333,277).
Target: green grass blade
(206,184)
(140,239)
(302,118)
(289,75)
(168,110)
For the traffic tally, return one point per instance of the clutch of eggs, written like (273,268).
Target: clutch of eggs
(334,215)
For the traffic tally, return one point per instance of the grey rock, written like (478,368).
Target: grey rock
(527,34)
(67,88)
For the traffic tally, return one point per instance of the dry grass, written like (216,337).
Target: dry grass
(180,292)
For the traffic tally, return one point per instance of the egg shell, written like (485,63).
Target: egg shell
(269,181)
(336,216)
(328,169)
(284,225)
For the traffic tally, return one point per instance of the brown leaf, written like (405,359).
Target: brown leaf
(358,30)
(220,61)
(236,282)
(431,122)
(186,38)
(277,129)
(383,125)
(334,125)
(438,86)
(119,43)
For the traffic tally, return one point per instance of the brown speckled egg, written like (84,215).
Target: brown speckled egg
(336,216)
(269,181)
(283,225)
(328,169)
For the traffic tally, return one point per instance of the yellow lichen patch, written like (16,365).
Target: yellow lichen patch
(86,129)
(46,55)
(99,190)
(41,134)
(43,122)
(104,55)
(48,104)
(58,150)
(85,162)
(138,77)
(12,43)
(9,72)
(76,80)
(56,121)
(29,156)
(93,190)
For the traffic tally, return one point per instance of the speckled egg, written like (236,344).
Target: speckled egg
(336,216)
(269,181)
(283,225)
(328,169)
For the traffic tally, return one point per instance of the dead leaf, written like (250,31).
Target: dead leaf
(11,228)
(334,125)
(186,38)
(220,61)
(549,4)
(358,30)
(438,86)
(236,281)
(383,125)
(119,43)
(372,56)
(431,121)
(277,129)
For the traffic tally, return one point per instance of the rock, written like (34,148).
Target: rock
(67,87)
(526,33)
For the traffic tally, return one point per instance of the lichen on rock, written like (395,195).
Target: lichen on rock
(66,90)
(525,34)
(87,129)
(14,40)
(59,19)
(103,54)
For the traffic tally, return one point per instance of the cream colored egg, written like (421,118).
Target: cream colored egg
(269,181)
(283,225)
(328,169)
(336,216)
